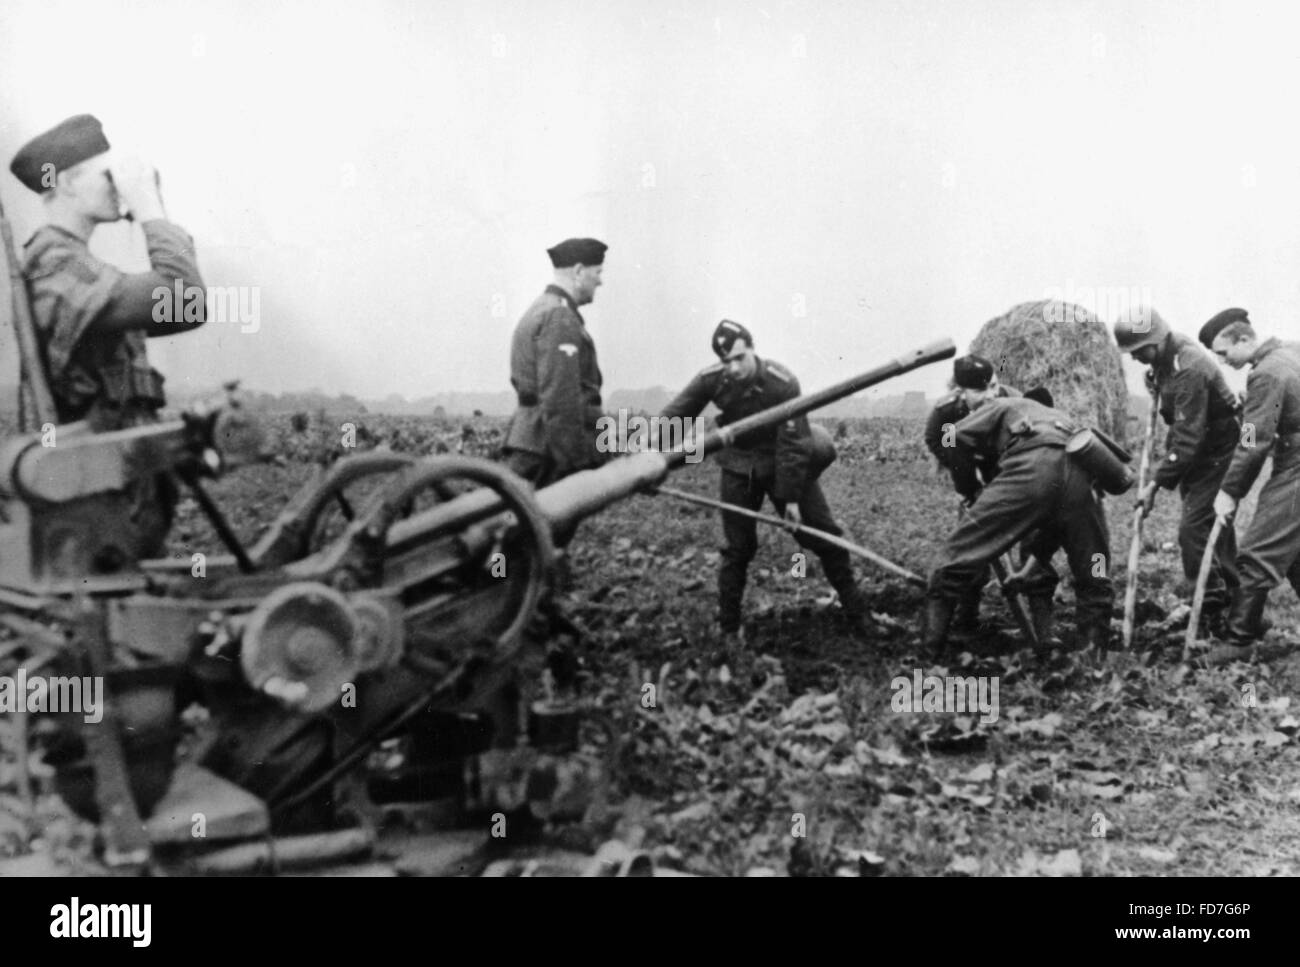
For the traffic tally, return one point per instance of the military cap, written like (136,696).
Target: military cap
(572,251)
(1140,329)
(66,144)
(1041,394)
(972,372)
(1219,323)
(725,336)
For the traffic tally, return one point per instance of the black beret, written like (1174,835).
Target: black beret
(1041,394)
(572,251)
(972,372)
(725,336)
(66,144)
(1219,323)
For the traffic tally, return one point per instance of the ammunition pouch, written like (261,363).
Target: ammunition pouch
(1106,462)
(528,399)
(128,383)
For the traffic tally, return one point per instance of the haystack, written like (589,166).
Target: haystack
(1067,349)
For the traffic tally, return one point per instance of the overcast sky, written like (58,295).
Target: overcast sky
(850,179)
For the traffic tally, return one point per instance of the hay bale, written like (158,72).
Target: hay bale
(1067,349)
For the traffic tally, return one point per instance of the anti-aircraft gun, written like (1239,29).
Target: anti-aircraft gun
(350,621)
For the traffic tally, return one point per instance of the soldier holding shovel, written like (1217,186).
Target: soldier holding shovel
(1201,412)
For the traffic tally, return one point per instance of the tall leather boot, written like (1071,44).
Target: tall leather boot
(1042,617)
(938,618)
(966,614)
(1246,625)
(1094,633)
(1246,617)
(856,613)
(731,594)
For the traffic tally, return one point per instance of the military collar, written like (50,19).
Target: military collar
(755,383)
(51,227)
(556,290)
(1266,347)
(1168,351)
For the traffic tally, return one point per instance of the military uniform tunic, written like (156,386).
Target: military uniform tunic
(1270,551)
(554,372)
(1036,487)
(92,321)
(970,471)
(1201,413)
(773,462)
(944,417)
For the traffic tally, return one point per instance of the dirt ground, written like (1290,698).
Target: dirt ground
(789,757)
(1140,765)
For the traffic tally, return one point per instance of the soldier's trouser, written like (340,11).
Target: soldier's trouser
(1270,551)
(1040,488)
(1198,490)
(1039,544)
(740,535)
(540,471)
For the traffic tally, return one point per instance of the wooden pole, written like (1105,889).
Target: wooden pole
(849,546)
(1202,576)
(1139,513)
(35,402)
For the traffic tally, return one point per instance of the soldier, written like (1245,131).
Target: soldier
(1201,413)
(1036,487)
(776,463)
(970,374)
(553,370)
(1270,550)
(92,319)
(973,377)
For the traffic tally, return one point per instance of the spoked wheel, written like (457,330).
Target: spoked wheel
(479,609)
(467,595)
(323,510)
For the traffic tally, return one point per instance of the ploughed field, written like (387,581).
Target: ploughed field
(798,755)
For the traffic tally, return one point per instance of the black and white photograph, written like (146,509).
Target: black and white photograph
(667,438)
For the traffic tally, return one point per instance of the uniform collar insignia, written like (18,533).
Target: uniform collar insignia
(568,299)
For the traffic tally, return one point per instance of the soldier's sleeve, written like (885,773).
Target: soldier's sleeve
(169,298)
(977,428)
(973,436)
(963,468)
(559,391)
(695,397)
(938,426)
(793,451)
(68,290)
(1188,393)
(1258,430)
(686,405)
(934,433)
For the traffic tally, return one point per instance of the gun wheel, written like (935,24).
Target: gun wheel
(477,614)
(324,509)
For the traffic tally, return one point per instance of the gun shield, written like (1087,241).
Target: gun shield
(1087,450)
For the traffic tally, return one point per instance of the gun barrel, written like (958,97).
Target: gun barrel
(587,492)
(726,435)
